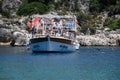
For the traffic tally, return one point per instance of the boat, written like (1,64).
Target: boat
(53,34)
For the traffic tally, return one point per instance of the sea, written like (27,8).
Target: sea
(87,63)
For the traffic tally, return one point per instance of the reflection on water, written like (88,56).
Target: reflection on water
(87,63)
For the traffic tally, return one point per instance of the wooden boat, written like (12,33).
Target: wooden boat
(49,38)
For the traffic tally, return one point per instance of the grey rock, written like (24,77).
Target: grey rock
(5,34)
(117,16)
(11,6)
(21,38)
(99,40)
(1,21)
(118,31)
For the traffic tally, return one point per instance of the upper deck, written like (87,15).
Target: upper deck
(55,26)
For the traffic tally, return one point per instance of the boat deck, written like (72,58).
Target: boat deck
(52,36)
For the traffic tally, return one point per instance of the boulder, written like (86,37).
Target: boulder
(20,38)
(5,35)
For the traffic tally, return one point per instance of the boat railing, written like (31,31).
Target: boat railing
(65,35)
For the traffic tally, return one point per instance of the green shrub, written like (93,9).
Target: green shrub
(115,24)
(6,13)
(33,8)
(82,17)
(86,26)
(118,23)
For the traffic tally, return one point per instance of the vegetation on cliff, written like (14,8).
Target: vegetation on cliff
(91,18)
(115,24)
(33,8)
(113,6)
(0,6)
(4,13)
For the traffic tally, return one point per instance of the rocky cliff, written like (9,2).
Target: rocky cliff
(99,40)
(11,6)
(104,29)
(14,29)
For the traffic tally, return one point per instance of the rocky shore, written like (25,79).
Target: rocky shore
(84,40)
(22,39)
(14,32)
(99,40)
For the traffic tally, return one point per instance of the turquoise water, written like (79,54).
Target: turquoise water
(87,63)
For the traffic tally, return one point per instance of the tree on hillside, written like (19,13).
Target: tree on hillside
(115,9)
(33,8)
(94,6)
(105,4)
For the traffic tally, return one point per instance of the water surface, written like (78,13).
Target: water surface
(87,63)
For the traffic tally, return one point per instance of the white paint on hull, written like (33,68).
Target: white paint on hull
(52,46)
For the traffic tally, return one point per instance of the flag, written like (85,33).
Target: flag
(36,23)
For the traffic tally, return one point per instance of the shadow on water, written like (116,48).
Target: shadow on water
(50,53)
